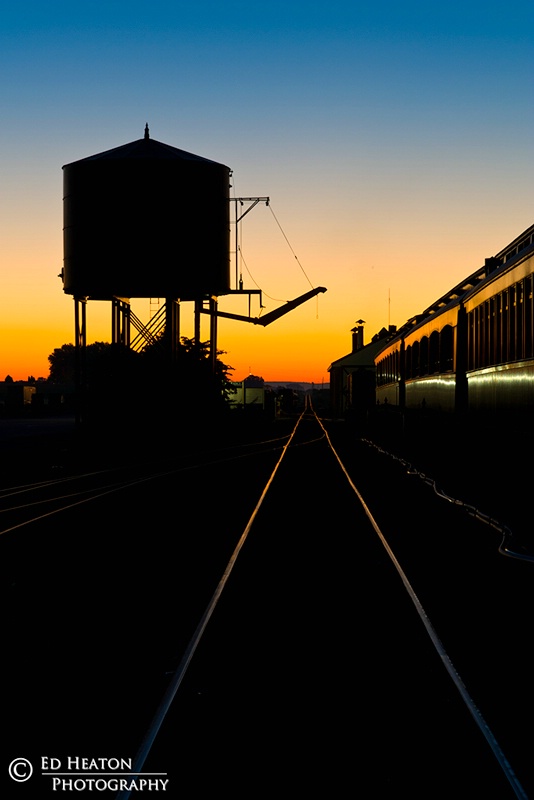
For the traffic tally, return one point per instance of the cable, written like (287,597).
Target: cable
(254,281)
(287,240)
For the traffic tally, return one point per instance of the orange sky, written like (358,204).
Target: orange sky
(383,277)
(393,140)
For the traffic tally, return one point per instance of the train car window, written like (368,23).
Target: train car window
(529,316)
(483,335)
(512,323)
(470,340)
(488,342)
(496,328)
(492,331)
(479,337)
(433,353)
(416,366)
(423,353)
(519,320)
(379,378)
(504,327)
(446,349)
(408,362)
(499,324)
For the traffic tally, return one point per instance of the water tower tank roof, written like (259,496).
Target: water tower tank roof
(146,220)
(145,148)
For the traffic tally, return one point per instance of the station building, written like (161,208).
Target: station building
(353,376)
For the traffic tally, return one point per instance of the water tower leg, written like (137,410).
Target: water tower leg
(80,350)
(213,332)
(198,312)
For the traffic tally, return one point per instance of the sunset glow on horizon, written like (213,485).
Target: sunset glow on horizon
(394,143)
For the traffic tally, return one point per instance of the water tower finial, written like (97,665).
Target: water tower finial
(147,134)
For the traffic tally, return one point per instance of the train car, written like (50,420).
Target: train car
(500,332)
(389,364)
(473,349)
(424,365)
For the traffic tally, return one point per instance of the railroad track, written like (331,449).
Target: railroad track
(243,605)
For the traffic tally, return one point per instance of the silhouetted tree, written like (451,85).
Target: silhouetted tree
(190,384)
(193,381)
(62,364)
(103,362)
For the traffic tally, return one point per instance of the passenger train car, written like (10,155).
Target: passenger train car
(473,349)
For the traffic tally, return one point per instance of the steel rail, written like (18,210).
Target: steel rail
(180,672)
(440,649)
(191,648)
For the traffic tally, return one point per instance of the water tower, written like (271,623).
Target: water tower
(147,220)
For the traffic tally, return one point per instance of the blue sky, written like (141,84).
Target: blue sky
(393,139)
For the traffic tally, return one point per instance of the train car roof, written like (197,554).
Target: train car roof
(516,246)
(442,305)
(507,266)
(492,266)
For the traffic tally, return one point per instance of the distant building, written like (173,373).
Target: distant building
(353,377)
(15,396)
(248,393)
(34,397)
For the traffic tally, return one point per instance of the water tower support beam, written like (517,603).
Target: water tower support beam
(120,322)
(238,217)
(172,326)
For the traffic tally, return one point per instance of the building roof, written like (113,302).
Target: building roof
(364,357)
